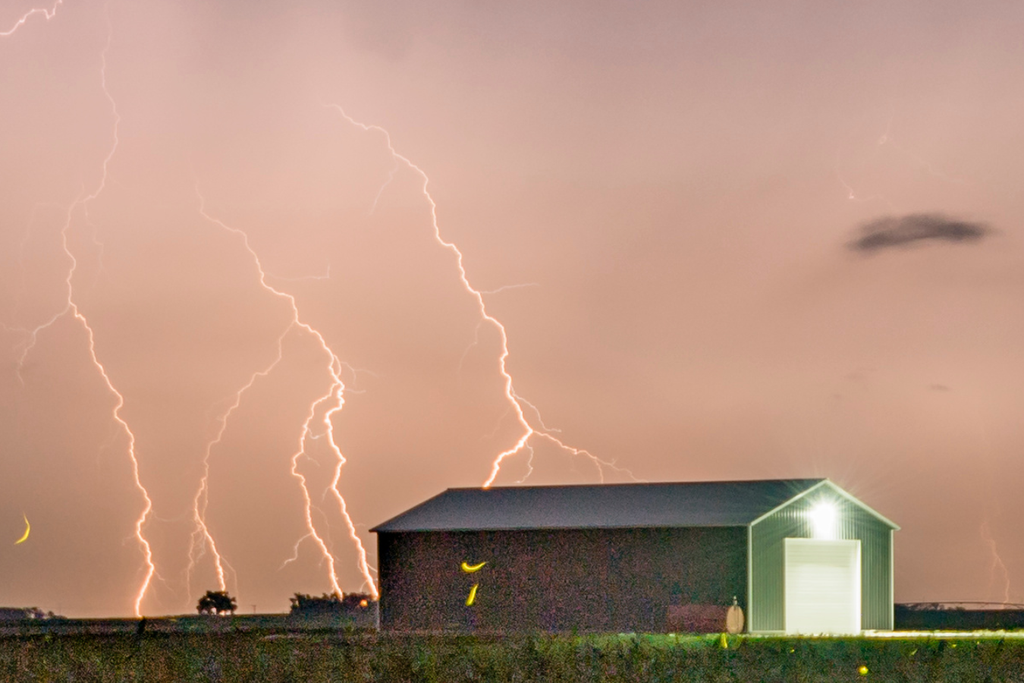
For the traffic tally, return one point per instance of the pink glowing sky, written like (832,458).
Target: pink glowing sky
(657,200)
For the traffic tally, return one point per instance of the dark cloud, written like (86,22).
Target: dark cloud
(892,232)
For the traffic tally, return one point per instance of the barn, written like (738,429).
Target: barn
(797,555)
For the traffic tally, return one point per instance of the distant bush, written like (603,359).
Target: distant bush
(17,613)
(330,603)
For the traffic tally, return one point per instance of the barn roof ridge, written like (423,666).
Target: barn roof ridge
(838,490)
(810,480)
(733,503)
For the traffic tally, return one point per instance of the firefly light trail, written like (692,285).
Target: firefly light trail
(24,536)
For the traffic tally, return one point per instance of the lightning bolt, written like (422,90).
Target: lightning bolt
(295,554)
(997,562)
(71,308)
(47,14)
(327,405)
(921,162)
(506,288)
(516,404)
(202,538)
(985,530)
(318,423)
(886,140)
(301,278)
(851,193)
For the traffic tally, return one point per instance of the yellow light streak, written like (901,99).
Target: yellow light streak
(24,537)
(470,568)
(472,595)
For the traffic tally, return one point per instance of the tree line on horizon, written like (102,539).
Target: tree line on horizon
(220,603)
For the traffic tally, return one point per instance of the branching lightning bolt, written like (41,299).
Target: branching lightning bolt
(997,562)
(506,288)
(301,278)
(325,407)
(851,193)
(528,431)
(141,521)
(47,14)
(886,140)
(985,529)
(921,162)
(329,404)
(71,308)
(202,538)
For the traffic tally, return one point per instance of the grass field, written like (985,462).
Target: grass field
(276,655)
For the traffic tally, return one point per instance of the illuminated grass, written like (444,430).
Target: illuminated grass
(315,656)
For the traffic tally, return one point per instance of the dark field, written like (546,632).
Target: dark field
(270,650)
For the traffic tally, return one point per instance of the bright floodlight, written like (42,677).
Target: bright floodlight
(824,518)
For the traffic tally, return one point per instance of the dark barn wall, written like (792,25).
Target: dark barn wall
(767,606)
(557,580)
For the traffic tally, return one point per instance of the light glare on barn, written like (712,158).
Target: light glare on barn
(824,518)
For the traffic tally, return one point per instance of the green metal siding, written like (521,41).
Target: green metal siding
(766,599)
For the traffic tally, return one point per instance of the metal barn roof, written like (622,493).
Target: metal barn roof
(603,506)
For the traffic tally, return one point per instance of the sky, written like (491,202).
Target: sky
(261,264)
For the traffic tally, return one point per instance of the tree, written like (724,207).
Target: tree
(217,602)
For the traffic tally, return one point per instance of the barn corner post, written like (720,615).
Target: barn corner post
(749,621)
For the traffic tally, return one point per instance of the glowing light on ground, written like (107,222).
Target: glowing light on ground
(943,635)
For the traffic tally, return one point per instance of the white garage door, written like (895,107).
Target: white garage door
(822,586)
